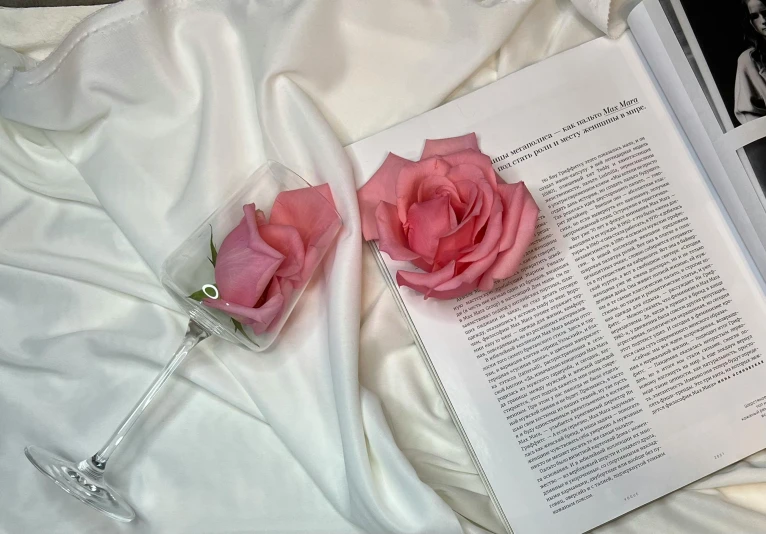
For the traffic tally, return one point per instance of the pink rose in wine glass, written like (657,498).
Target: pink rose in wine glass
(260,263)
(449,214)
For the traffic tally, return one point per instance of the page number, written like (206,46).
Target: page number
(719,455)
(631,496)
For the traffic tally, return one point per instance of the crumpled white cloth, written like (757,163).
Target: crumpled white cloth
(127,135)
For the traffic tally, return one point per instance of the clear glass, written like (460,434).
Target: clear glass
(188,268)
(185,271)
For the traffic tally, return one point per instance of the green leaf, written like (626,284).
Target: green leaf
(198,295)
(213,251)
(239,328)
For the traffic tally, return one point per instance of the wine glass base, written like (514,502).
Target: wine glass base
(81,482)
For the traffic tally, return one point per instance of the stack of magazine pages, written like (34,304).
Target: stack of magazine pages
(626,358)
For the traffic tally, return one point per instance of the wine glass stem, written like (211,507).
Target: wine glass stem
(194,334)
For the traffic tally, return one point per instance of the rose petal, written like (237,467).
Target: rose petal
(514,196)
(472,197)
(287,288)
(422,264)
(380,188)
(477,159)
(466,171)
(472,273)
(410,177)
(459,291)
(260,218)
(245,263)
(283,287)
(468,192)
(425,282)
(470,173)
(427,222)
(391,238)
(311,262)
(491,235)
(258,318)
(508,261)
(422,282)
(288,242)
(452,245)
(436,185)
(314,255)
(450,145)
(312,214)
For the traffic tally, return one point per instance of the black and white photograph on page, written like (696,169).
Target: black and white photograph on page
(750,84)
(753,157)
(725,43)
(728,43)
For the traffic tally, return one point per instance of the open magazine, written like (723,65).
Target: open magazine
(625,359)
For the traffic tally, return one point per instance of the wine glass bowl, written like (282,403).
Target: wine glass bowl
(187,270)
(189,267)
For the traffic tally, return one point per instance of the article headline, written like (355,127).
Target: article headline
(571,132)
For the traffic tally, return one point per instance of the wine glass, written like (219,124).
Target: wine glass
(187,274)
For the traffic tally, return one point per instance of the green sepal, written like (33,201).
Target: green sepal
(213,251)
(239,328)
(198,295)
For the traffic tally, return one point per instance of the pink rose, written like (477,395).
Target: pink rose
(261,263)
(451,215)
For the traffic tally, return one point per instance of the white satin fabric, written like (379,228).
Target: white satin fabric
(128,134)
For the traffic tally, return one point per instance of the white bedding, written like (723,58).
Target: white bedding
(120,141)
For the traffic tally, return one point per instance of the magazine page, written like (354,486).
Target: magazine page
(625,359)
(715,53)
